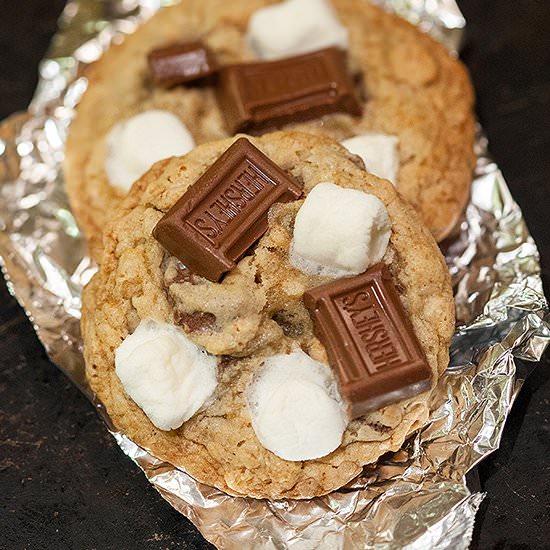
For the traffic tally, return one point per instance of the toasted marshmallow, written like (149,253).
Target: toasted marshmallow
(339,232)
(379,153)
(165,373)
(295,27)
(296,410)
(136,143)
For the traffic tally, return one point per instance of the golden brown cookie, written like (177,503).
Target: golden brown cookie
(256,311)
(409,86)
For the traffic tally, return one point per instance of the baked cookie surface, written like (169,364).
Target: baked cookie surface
(255,312)
(408,84)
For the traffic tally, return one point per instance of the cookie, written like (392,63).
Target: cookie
(410,89)
(253,314)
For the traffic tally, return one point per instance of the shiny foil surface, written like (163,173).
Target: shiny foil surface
(414,499)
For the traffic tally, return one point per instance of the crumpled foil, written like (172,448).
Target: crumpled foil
(416,498)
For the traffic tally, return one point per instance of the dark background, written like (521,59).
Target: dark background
(63,481)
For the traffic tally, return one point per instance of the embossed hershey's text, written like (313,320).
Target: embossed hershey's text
(230,201)
(265,87)
(370,327)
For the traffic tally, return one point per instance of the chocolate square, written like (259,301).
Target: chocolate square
(180,63)
(369,340)
(258,95)
(225,212)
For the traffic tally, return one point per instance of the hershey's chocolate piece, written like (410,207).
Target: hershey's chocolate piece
(369,340)
(263,94)
(225,212)
(179,63)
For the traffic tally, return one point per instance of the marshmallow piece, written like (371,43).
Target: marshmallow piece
(379,153)
(296,410)
(136,143)
(339,232)
(165,373)
(295,27)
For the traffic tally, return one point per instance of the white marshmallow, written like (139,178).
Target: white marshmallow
(165,373)
(339,232)
(296,410)
(136,143)
(379,153)
(295,27)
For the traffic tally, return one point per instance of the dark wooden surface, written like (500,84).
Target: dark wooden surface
(63,481)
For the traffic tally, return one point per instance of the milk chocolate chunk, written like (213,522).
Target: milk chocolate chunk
(259,95)
(369,340)
(180,63)
(225,212)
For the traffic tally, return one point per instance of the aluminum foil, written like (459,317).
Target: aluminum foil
(416,498)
